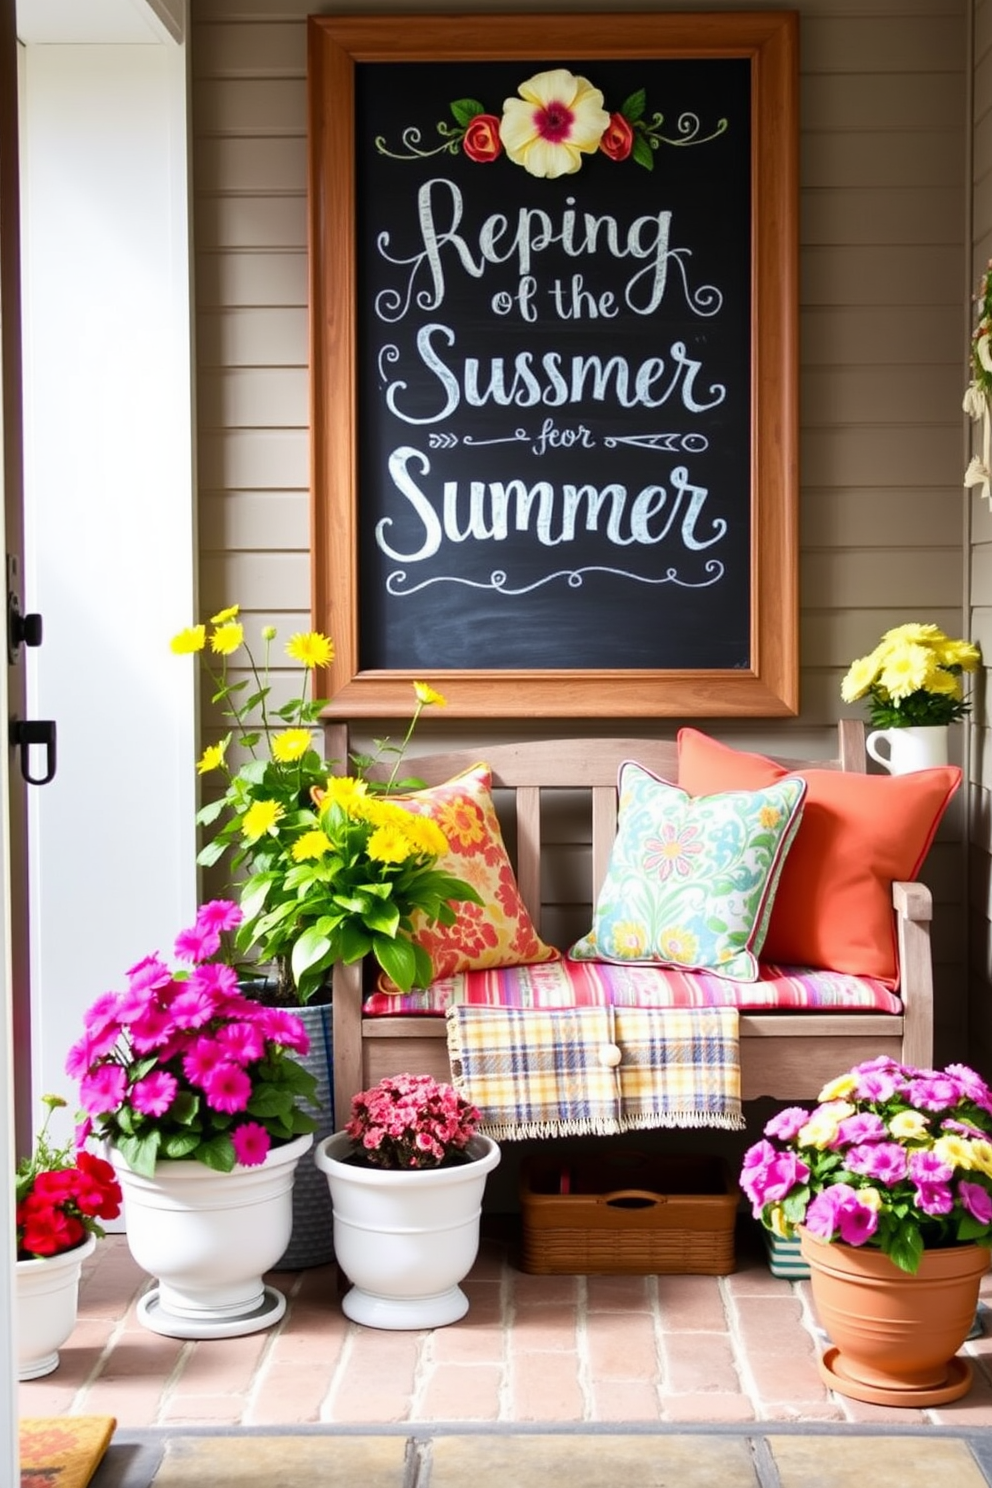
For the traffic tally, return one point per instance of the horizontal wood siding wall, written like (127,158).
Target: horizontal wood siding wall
(980,764)
(883,214)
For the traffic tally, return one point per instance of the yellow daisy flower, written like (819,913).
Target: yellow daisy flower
(227,638)
(427,695)
(193,638)
(211,758)
(311,648)
(315,844)
(389,844)
(341,790)
(260,818)
(292,744)
(223,616)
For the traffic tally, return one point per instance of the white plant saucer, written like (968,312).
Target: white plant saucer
(170,1325)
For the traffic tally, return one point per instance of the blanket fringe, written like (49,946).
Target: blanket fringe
(520,1131)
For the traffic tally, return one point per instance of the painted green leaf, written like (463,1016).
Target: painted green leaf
(633,107)
(642,152)
(465,110)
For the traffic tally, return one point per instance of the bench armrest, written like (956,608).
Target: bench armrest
(913,905)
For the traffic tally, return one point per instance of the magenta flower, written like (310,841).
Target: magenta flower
(876,1085)
(251,1143)
(934,1198)
(154,1094)
(787,1124)
(932,1092)
(217,981)
(201,1059)
(284,1028)
(220,915)
(885,1162)
(227,1087)
(148,975)
(151,1029)
(192,1007)
(856,1221)
(926,1167)
(864,1126)
(242,1042)
(977,1200)
(197,944)
(103,1088)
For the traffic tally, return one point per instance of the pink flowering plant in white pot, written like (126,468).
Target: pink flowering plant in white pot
(411,1121)
(892,1157)
(182,1065)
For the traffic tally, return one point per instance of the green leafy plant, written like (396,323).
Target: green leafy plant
(330,869)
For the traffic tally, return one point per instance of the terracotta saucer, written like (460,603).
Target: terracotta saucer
(958,1383)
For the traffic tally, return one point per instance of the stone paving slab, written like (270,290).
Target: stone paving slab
(778,1457)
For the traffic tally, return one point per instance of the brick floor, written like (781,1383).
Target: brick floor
(533,1350)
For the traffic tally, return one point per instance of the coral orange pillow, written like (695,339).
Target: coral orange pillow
(499,932)
(858,835)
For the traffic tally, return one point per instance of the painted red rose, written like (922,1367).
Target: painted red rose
(482,142)
(618,138)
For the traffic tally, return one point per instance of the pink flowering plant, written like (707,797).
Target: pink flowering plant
(892,1157)
(182,1065)
(410,1121)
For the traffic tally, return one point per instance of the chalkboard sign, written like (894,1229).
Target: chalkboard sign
(537,281)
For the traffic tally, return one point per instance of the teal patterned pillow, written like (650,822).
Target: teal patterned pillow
(691,879)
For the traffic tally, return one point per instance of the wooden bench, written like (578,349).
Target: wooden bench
(785,1055)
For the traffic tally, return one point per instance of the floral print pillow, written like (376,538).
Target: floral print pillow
(691,880)
(499,932)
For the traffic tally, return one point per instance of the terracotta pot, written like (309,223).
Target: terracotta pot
(894,1336)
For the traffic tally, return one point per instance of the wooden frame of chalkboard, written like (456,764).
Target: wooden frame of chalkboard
(554,290)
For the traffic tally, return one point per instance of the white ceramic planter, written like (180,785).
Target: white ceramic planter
(47,1303)
(209,1237)
(902,750)
(405,1240)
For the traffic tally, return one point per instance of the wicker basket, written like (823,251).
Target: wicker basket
(631,1212)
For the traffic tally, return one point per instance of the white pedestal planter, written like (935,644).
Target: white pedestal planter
(47,1301)
(208,1237)
(405,1239)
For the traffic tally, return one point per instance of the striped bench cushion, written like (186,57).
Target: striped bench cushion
(571,984)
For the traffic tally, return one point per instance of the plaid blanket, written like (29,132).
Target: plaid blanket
(596,1070)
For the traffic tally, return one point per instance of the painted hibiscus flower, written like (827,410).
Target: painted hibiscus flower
(557,119)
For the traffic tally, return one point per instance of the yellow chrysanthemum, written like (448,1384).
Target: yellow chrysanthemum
(223,616)
(311,648)
(981,1152)
(211,758)
(557,119)
(426,835)
(341,790)
(260,818)
(292,744)
(909,1126)
(860,676)
(837,1089)
(227,638)
(905,670)
(769,816)
(427,695)
(901,635)
(193,638)
(954,1151)
(315,844)
(390,844)
(963,654)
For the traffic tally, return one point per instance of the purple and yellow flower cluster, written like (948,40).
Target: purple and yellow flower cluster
(893,1157)
(182,1065)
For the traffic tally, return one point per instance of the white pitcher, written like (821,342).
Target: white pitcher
(905,749)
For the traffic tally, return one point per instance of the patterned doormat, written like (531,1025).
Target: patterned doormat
(62,1451)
